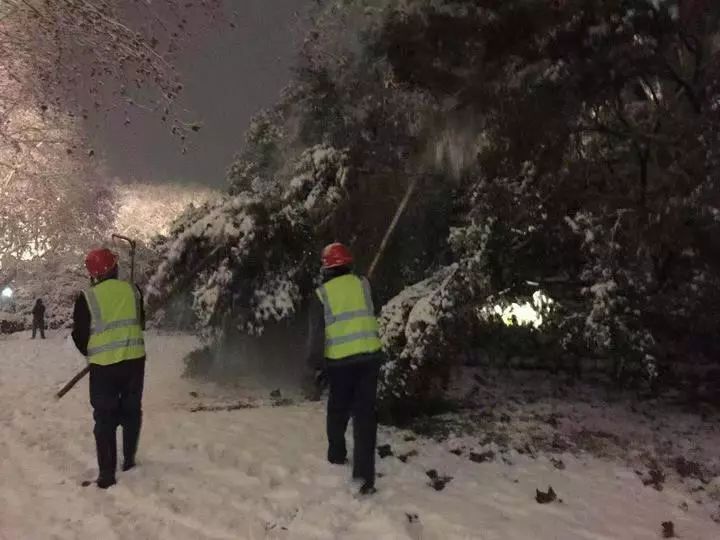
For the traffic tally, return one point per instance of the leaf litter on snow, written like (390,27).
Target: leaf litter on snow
(505,417)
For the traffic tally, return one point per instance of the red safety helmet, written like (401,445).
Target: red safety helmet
(336,255)
(100,262)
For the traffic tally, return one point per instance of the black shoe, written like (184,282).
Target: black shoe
(130,464)
(336,461)
(368,488)
(104,482)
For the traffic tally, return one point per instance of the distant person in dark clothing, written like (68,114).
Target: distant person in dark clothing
(345,348)
(38,313)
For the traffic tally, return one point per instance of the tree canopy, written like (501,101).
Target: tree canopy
(63,64)
(569,148)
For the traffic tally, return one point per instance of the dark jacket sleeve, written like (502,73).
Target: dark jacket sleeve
(81,324)
(376,306)
(316,334)
(142,308)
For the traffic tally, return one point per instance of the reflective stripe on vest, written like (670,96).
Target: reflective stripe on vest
(116,333)
(115,345)
(350,324)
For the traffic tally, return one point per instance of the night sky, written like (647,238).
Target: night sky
(229,75)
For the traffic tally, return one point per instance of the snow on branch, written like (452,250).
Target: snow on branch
(248,258)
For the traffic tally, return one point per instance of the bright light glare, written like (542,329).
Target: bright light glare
(527,314)
(7,292)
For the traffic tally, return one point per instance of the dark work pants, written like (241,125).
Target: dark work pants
(116,397)
(38,325)
(353,392)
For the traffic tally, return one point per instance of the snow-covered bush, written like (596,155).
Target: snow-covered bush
(424,326)
(11,323)
(611,324)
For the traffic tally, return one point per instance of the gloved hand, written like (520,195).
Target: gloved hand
(314,383)
(321,379)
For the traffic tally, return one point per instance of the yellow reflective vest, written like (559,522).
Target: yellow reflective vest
(116,332)
(350,324)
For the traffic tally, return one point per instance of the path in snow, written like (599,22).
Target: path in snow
(260,473)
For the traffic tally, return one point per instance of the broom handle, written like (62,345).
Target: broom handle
(69,386)
(388,234)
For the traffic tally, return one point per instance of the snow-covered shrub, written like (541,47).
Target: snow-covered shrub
(398,312)
(423,327)
(611,325)
(11,323)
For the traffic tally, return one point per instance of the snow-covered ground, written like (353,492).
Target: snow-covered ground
(260,472)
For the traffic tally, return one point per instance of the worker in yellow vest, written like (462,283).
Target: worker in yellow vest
(345,346)
(108,325)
